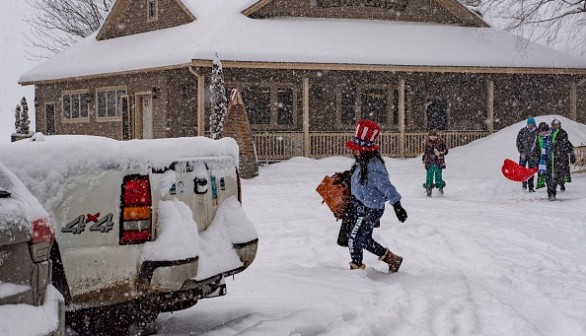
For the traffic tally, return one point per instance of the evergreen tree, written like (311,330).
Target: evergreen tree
(24,118)
(17,119)
(218,100)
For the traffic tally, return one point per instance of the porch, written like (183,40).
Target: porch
(277,146)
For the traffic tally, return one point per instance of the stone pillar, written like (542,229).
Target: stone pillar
(200,105)
(237,126)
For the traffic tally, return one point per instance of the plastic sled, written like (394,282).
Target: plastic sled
(514,172)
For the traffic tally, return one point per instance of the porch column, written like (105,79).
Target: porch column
(490,106)
(200,105)
(402,117)
(573,101)
(306,138)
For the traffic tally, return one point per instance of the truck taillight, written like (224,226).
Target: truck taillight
(136,225)
(42,231)
(41,239)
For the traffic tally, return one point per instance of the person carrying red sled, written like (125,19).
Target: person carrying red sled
(434,152)
(526,140)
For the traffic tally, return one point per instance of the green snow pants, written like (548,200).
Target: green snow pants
(434,172)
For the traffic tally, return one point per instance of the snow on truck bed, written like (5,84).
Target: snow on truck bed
(43,162)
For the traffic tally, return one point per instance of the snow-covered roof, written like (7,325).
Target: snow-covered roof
(221,28)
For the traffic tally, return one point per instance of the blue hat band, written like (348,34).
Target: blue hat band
(362,143)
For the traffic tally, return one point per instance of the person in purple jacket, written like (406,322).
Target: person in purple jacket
(371,188)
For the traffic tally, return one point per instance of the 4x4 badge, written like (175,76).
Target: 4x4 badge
(77,226)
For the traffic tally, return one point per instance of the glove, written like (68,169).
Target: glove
(400,212)
(572,158)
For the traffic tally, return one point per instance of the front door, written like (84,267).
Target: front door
(142,121)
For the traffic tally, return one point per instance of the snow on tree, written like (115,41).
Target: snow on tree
(17,117)
(24,118)
(218,99)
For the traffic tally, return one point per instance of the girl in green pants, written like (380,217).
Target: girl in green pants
(434,153)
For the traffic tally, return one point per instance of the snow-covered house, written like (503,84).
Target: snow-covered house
(307,70)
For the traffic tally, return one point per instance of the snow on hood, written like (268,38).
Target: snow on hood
(221,28)
(18,211)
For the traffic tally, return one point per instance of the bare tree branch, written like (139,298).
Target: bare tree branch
(558,23)
(56,24)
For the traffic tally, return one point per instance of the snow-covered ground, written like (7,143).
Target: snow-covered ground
(485,259)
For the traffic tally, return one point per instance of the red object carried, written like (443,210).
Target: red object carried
(335,195)
(515,172)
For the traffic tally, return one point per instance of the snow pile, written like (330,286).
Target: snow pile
(26,320)
(178,238)
(230,226)
(177,235)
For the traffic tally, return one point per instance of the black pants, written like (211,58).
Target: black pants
(525,161)
(360,237)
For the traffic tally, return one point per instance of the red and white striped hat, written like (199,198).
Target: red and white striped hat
(367,131)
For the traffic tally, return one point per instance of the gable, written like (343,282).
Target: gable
(129,17)
(449,12)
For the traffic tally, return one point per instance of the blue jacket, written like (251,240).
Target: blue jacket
(378,189)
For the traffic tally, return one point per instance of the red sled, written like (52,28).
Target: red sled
(515,172)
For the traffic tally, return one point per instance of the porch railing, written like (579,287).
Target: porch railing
(580,165)
(277,146)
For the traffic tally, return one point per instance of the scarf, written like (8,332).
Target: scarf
(546,144)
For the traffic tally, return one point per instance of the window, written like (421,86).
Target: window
(284,106)
(110,102)
(153,9)
(269,105)
(373,105)
(76,105)
(348,104)
(437,114)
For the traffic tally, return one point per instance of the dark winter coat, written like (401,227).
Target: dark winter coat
(429,153)
(557,159)
(565,150)
(526,140)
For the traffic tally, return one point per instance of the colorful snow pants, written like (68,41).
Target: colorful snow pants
(360,237)
(434,172)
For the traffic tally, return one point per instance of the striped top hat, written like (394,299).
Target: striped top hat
(367,132)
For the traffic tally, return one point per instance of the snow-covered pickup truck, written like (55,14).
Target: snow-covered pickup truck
(142,226)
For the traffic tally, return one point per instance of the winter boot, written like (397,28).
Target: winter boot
(393,260)
(441,191)
(524,185)
(354,266)
(427,190)
(551,197)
